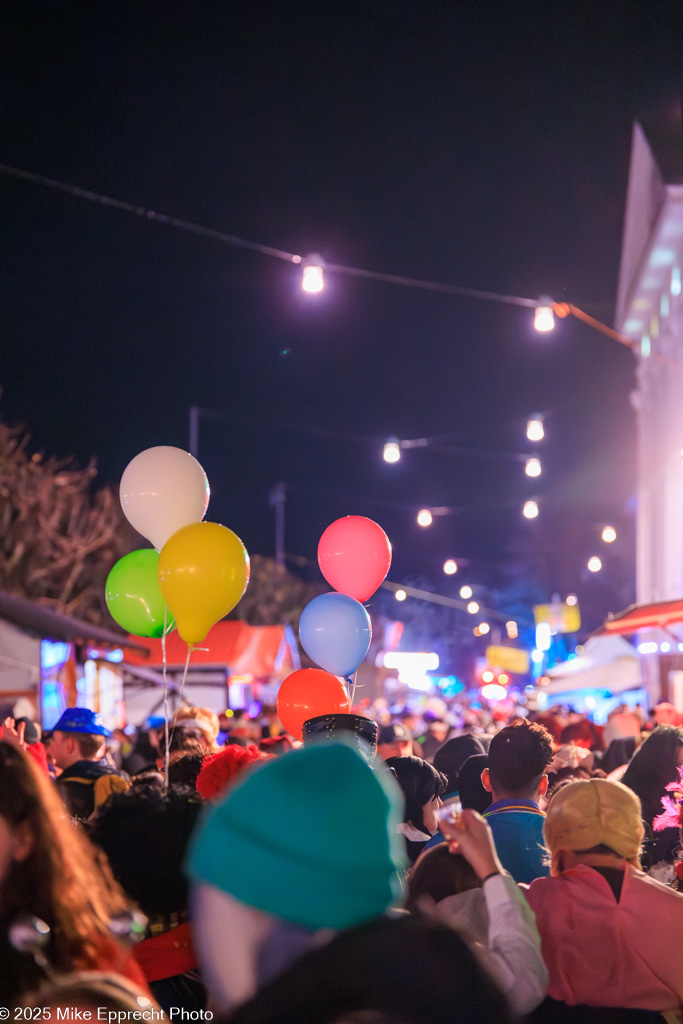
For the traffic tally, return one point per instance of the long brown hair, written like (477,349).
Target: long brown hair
(62,880)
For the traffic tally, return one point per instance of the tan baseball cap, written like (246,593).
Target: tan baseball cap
(592,813)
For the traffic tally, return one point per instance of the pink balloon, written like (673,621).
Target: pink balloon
(354,555)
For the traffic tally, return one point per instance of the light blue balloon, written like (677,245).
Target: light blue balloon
(335,631)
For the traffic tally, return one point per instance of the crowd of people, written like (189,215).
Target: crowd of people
(430,867)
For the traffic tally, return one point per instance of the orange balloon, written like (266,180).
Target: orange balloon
(307,693)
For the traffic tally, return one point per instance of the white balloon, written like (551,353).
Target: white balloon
(163,489)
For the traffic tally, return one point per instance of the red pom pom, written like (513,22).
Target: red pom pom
(678,868)
(220,770)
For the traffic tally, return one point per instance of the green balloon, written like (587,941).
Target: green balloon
(133,595)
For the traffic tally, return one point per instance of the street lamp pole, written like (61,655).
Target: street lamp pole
(193,441)
(278,499)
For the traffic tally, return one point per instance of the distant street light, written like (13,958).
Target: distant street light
(534,430)
(544,317)
(466,592)
(609,534)
(530,510)
(450,566)
(400,595)
(424,517)
(533,467)
(392,450)
(594,564)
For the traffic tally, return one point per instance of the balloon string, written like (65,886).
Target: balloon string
(163,660)
(351,680)
(187,665)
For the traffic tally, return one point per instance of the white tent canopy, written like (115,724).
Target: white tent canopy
(607,663)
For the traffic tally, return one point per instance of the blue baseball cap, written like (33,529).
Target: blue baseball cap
(82,720)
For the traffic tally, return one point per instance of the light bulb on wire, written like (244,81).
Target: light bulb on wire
(450,566)
(466,592)
(594,564)
(392,450)
(313,280)
(534,430)
(533,467)
(609,534)
(424,517)
(400,595)
(473,607)
(530,510)
(544,315)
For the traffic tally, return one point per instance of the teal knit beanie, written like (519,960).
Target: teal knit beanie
(309,837)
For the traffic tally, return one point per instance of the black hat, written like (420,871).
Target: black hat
(331,727)
(394,733)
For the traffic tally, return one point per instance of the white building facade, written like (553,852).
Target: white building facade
(650,312)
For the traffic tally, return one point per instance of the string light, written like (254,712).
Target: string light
(571,600)
(487,676)
(466,592)
(313,280)
(530,510)
(533,467)
(484,628)
(400,595)
(424,517)
(534,430)
(545,309)
(392,450)
(609,534)
(594,564)
(450,566)
(473,607)
(544,316)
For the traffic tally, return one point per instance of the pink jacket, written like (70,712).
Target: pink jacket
(603,953)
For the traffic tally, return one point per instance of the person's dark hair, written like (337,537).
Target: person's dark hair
(653,766)
(420,971)
(148,776)
(450,758)
(88,745)
(420,781)
(472,792)
(439,874)
(564,777)
(518,757)
(184,769)
(144,833)
(63,880)
(190,740)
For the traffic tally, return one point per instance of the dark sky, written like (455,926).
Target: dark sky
(478,143)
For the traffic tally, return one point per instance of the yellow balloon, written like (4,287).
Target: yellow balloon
(203,572)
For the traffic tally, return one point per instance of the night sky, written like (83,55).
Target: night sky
(476,143)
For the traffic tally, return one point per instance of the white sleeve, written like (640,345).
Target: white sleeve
(513,951)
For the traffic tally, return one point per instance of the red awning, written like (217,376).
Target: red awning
(260,650)
(645,616)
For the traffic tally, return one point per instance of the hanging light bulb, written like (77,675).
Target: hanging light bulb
(530,510)
(609,534)
(473,607)
(484,628)
(400,595)
(533,467)
(424,517)
(571,600)
(594,564)
(313,280)
(544,316)
(534,430)
(392,450)
(466,592)
(450,566)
